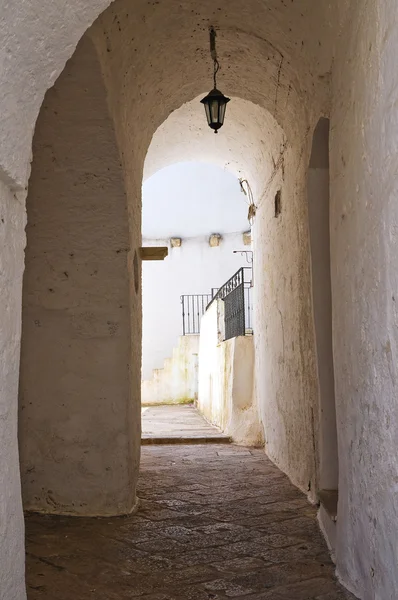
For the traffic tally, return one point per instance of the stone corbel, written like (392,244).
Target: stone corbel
(154,252)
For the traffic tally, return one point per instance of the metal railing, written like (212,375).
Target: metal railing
(238,308)
(248,308)
(193,308)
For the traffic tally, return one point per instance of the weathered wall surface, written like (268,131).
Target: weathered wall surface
(226,377)
(177,380)
(12,241)
(36,42)
(193,268)
(364,221)
(78,441)
(318,197)
(286,374)
(286,379)
(277,55)
(37,39)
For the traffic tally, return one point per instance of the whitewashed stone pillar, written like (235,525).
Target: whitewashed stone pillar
(79,430)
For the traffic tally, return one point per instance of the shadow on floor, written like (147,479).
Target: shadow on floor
(215,522)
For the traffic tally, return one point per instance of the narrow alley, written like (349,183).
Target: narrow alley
(251,275)
(215,521)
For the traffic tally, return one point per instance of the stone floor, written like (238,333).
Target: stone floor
(215,522)
(181,424)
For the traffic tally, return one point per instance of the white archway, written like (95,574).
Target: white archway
(297,61)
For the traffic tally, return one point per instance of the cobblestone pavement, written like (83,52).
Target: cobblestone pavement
(215,522)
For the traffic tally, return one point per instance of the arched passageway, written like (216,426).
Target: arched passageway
(253,145)
(298,62)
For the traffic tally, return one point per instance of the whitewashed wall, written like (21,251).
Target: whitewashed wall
(355,53)
(177,381)
(194,268)
(226,395)
(364,251)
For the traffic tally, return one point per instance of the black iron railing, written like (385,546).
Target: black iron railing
(236,294)
(193,308)
(248,308)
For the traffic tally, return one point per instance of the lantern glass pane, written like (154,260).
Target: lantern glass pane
(223,106)
(207,109)
(214,110)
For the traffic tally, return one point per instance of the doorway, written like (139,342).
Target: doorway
(318,211)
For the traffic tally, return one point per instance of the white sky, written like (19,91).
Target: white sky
(190,199)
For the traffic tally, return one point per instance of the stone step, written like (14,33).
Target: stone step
(147,440)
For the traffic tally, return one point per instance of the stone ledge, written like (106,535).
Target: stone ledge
(159,440)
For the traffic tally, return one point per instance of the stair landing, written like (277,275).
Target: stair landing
(181,424)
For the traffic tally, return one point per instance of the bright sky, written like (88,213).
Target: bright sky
(190,199)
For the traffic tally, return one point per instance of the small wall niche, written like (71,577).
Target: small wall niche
(136,273)
(278,203)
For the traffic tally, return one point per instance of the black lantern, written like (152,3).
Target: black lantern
(215,102)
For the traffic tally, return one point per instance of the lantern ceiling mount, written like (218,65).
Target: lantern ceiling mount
(215,102)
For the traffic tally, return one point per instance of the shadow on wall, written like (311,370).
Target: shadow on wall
(75,393)
(318,214)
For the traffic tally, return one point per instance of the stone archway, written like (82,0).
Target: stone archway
(132,74)
(79,436)
(297,60)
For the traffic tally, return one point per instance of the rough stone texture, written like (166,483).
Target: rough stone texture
(254,146)
(37,39)
(248,142)
(79,422)
(281,56)
(285,368)
(364,251)
(36,42)
(215,522)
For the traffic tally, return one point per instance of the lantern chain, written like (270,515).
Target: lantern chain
(213,53)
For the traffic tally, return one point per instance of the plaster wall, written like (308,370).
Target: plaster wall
(12,241)
(79,444)
(286,370)
(38,37)
(279,56)
(318,219)
(177,380)
(286,376)
(364,250)
(193,268)
(226,377)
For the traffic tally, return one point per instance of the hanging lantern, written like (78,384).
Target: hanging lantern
(215,102)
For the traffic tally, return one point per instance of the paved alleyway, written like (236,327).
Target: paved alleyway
(178,424)
(215,522)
